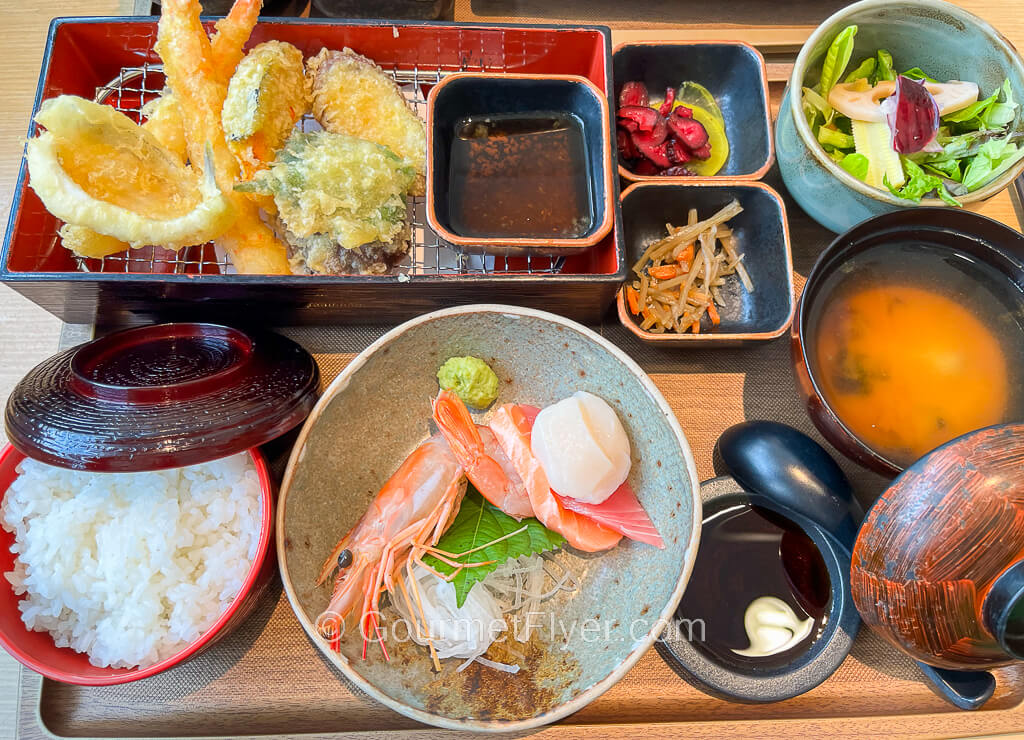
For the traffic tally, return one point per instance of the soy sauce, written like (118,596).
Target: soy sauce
(747,552)
(519,175)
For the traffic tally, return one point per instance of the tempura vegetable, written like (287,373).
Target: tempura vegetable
(85,242)
(266,96)
(321,254)
(188,60)
(351,189)
(163,115)
(96,168)
(352,95)
(163,120)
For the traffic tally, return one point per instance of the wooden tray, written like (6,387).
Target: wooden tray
(267,679)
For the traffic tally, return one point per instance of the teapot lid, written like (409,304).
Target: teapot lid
(161,396)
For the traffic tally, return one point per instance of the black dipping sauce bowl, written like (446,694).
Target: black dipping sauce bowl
(815,567)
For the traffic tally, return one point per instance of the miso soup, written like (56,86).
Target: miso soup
(915,345)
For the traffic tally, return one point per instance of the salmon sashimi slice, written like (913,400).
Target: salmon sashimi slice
(512,426)
(622,512)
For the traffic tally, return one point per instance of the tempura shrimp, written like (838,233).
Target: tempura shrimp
(188,64)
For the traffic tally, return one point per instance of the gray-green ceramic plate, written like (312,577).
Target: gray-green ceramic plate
(378,410)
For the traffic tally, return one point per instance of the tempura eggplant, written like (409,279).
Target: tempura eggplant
(352,95)
(340,202)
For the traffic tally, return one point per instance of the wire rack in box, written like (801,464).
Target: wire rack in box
(136,86)
(114,58)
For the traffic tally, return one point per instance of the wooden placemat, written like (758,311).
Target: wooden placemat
(268,679)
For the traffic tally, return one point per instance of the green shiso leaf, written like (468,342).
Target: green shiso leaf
(481,523)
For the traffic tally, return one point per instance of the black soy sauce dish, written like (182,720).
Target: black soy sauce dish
(812,567)
(732,71)
(784,464)
(762,237)
(519,163)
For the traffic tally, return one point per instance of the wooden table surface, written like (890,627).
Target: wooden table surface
(28,334)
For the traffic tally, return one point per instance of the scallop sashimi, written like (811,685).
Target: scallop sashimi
(582,447)
(512,426)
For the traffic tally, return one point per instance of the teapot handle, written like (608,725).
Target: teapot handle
(962,689)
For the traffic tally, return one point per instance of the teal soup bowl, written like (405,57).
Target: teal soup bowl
(947,42)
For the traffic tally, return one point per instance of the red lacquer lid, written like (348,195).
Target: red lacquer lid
(161,396)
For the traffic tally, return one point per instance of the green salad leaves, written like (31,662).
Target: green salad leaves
(919,183)
(480,523)
(978,142)
(836,59)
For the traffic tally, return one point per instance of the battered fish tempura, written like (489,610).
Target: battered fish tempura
(334,193)
(266,97)
(352,95)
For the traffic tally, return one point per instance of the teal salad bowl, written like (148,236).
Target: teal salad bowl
(378,409)
(946,42)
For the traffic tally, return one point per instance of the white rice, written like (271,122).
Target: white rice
(131,567)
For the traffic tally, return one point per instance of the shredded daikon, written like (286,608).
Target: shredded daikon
(498,666)
(455,632)
(515,587)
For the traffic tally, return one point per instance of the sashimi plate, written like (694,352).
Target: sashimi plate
(378,410)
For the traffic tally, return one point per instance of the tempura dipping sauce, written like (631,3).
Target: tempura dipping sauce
(519,175)
(916,345)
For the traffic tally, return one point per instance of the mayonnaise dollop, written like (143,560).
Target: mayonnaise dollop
(772,627)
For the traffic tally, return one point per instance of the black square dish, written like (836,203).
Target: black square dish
(733,72)
(491,97)
(762,237)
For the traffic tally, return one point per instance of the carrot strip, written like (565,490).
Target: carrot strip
(633,299)
(664,272)
(713,313)
(686,256)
